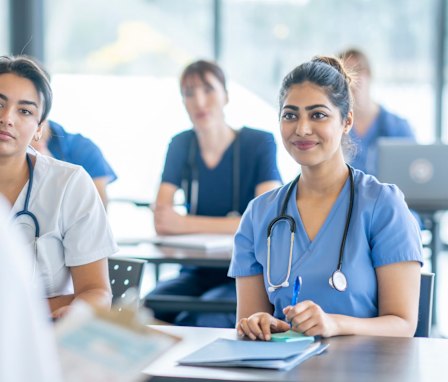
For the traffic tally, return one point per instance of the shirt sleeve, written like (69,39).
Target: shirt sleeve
(175,160)
(244,262)
(395,235)
(87,154)
(267,169)
(87,236)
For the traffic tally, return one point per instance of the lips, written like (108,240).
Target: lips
(200,115)
(5,135)
(305,145)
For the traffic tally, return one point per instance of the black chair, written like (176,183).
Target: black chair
(124,273)
(425,305)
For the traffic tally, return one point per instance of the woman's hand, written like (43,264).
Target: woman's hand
(61,312)
(308,318)
(167,221)
(260,326)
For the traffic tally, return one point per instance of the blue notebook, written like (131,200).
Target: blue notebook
(257,354)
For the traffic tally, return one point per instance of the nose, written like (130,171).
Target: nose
(199,99)
(303,127)
(5,116)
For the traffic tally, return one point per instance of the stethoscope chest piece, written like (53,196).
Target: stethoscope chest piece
(338,281)
(273,288)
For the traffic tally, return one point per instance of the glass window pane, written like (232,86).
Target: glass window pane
(137,37)
(115,75)
(275,36)
(4,27)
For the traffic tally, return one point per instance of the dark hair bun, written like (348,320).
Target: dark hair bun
(336,63)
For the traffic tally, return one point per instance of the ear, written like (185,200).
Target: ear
(39,131)
(348,123)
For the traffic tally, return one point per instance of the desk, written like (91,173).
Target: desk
(158,255)
(350,358)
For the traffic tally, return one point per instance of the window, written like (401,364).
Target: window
(272,37)
(4,27)
(114,74)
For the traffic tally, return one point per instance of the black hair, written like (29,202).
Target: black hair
(329,74)
(325,72)
(29,68)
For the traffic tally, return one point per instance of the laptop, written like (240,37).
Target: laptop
(420,171)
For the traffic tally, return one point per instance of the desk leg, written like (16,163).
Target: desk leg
(435,247)
(157,272)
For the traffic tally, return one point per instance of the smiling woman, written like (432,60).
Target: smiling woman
(372,288)
(69,236)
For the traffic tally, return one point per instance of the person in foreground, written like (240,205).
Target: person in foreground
(332,209)
(220,170)
(27,347)
(54,203)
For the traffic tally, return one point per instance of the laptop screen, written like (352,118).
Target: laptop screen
(420,171)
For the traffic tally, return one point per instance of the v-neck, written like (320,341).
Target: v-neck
(304,241)
(225,154)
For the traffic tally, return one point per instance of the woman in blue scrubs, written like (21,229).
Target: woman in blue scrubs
(377,279)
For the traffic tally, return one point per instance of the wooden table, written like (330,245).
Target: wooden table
(350,358)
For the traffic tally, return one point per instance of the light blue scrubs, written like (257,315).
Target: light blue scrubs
(382,231)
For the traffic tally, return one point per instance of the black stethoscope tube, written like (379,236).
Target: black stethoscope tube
(337,280)
(190,182)
(26,211)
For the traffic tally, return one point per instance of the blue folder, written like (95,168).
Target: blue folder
(256,354)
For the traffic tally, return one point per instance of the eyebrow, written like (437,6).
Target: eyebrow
(307,108)
(21,102)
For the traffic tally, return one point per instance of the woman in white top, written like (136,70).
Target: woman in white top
(54,203)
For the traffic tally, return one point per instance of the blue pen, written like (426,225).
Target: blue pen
(296,290)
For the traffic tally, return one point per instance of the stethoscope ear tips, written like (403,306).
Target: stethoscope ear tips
(271,289)
(285,284)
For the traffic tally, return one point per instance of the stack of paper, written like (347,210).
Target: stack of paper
(206,242)
(257,354)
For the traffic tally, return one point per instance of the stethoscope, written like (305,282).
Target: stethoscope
(337,280)
(190,178)
(26,211)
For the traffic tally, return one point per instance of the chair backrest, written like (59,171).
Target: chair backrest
(425,305)
(124,274)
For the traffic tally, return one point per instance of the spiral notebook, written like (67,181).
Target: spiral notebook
(255,354)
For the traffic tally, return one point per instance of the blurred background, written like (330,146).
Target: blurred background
(115,66)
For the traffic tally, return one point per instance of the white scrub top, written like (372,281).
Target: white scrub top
(382,231)
(27,345)
(73,224)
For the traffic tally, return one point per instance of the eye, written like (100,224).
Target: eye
(25,112)
(318,115)
(288,116)
(208,88)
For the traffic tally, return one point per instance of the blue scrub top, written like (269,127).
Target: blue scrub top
(257,165)
(382,231)
(77,149)
(387,125)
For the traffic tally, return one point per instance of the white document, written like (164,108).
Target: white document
(107,346)
(206,242)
